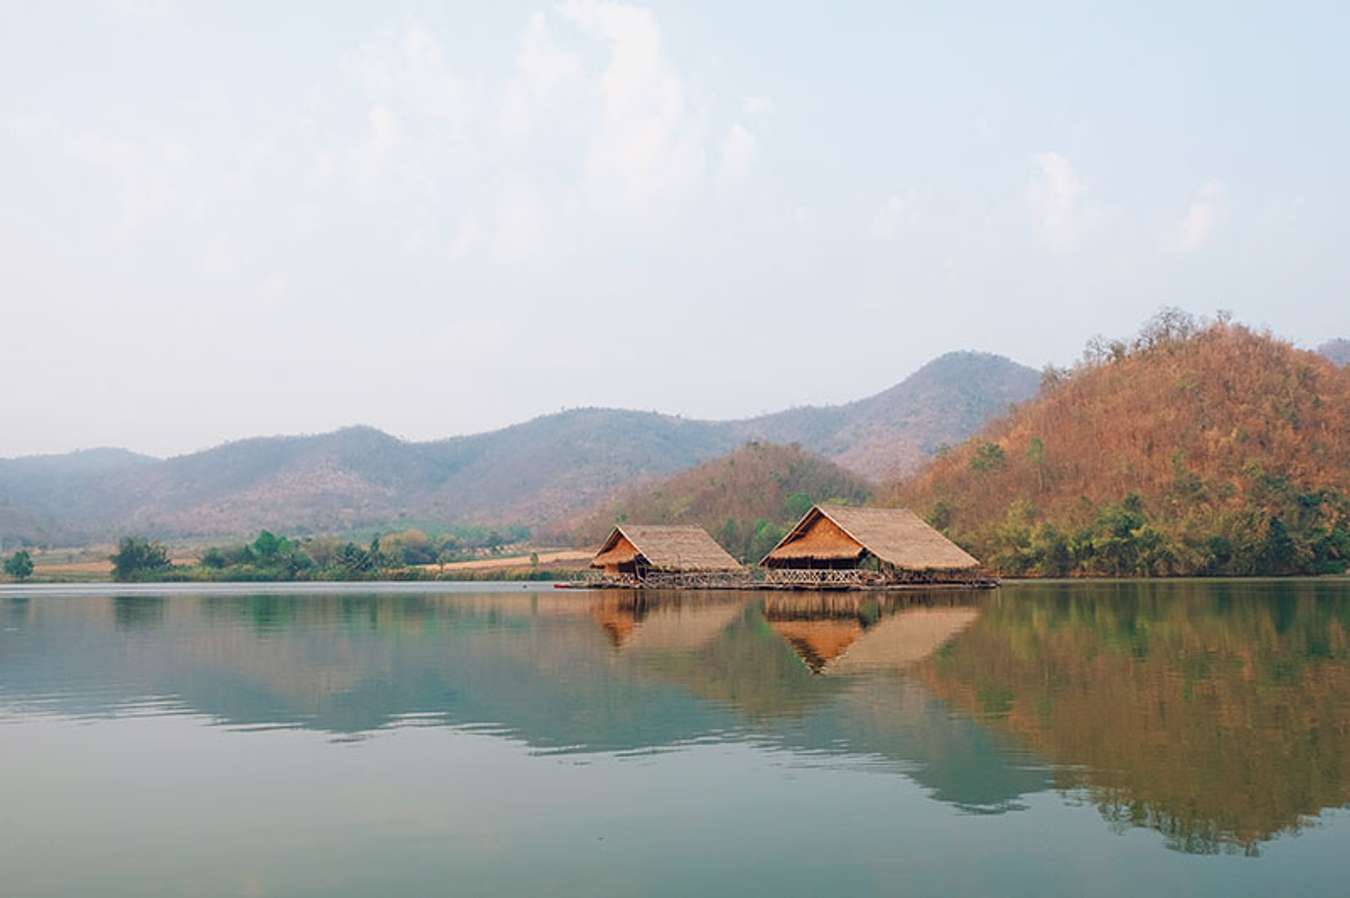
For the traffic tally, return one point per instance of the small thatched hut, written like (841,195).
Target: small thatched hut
(842,546)
(652,555)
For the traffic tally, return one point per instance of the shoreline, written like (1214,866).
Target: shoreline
(430,587)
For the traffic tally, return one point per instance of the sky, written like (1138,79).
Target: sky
(226,220)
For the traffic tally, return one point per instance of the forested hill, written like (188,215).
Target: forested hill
(745,499)
(1193,448)
(547,469)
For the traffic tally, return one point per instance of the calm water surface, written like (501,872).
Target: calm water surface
(1051,739)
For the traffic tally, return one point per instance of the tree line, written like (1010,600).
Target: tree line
(277,557)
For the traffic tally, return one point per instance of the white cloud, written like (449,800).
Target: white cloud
(464,238)
(757,107)
(1056,198)
(406,70)
(887,221)
(519,224)
(738,154)
(143,171)
(370,158)
(325,166)
(415,102)
(647,149)
(1201,215)
(544,72)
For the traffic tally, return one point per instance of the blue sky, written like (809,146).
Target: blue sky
(439,218)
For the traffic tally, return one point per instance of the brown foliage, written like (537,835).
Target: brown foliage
(1192,420)
(752,483)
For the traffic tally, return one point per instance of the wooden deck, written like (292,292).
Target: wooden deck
(794,578)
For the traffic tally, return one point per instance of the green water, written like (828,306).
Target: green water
(1047,739)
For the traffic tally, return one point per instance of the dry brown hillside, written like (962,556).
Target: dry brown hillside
(1191,449)
(744,499)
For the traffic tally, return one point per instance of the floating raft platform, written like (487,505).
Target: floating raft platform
(833,547)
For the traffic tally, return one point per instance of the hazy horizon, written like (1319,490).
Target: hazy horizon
(222,223)
(353,425)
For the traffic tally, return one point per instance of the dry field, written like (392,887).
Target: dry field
(557,556)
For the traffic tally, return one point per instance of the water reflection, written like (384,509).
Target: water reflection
(1216,714)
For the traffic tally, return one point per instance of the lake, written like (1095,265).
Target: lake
(1041,739)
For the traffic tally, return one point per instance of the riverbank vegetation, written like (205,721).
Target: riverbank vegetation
(403,555)
(1195,448)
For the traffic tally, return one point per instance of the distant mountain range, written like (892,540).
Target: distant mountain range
(542,470)
(1337,350)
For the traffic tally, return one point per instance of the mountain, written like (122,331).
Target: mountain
(544,470)
(1193,449)
(893,432)
(1337,350)
(745,498)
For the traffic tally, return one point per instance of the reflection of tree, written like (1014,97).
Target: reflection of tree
(1216,714)
(138,612)
(16,611)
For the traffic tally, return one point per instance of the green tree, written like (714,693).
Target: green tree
(268,545)
(797,505)
(766,536)
(941,516)
(1278,552)
(729,535)
(987,457)
(137,557)
(19,565)
(1036,455)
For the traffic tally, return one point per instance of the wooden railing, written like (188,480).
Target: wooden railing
(696,579)
(821,578)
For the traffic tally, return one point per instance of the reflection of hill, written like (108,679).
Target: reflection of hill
(1217,715)
(537,668)
(893,721)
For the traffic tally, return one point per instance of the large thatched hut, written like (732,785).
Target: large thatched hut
(653,555)
(843,546)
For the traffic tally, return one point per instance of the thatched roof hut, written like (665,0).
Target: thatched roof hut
(635,549)
(844,537)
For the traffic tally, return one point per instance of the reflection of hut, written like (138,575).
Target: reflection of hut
(903,639)
(672,625)
(840,546)
(649,555)
(841,636)
(818,642)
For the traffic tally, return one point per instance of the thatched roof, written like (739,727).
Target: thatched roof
(895,535)
(666,548)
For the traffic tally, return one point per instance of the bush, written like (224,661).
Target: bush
(136,557)
(19,565)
